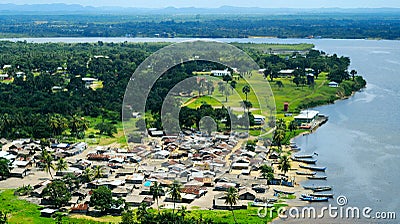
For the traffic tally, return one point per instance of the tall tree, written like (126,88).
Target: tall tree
(292,125)
(265,169)
(57,123)
(87,175)
(279,136)
(231,198)
(284,164)
(98,172)
(246,90)
(101,198)
(78,125)
(47,159)
(281,124)
(61,165)
(233,84)
(4,168)
(353,73)
(156,190)
(58,193)
(175,192)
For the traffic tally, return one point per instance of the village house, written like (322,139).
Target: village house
(220,73)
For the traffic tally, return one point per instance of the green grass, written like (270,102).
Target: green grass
(204,100)
(243,215)
(21,211)
(290,197)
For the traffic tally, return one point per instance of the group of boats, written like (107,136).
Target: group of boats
(319,193)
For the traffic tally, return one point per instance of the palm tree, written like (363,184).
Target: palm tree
(175,192)
(233,85)
(246,90)
(281,124)
(223,90)
(247,105)
(61,165)
(57,123)
(6,123)
(284,164)
(156,190)
(292,125)
(98,172)
(279,136)
(231,198)
(87,175)
(48,162)
(78,124)
(353,73)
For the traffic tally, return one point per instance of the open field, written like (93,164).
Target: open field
(21,211)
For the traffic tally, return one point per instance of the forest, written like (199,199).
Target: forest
(305,25)
(30,106)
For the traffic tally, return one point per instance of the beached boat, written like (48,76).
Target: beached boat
(317,168)
(283,192)
(318,188)
(303,156)
(305,173)
(317,177)
(310,198)
(328,195)
(295,148)
(308,161)
(261,204)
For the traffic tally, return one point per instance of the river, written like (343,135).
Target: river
(360,144)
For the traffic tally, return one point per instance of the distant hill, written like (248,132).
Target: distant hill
(60,8)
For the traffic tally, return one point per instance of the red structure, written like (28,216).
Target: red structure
(286,106)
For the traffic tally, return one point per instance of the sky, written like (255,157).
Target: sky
(218,3)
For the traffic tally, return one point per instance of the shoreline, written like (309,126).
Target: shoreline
(299,178)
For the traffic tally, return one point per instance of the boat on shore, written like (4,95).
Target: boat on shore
(316,168)
(318,188)
(310,198)
(283,191)
(261,204)
(303,156)
(295,148)
(305,173)
(308,161)
(317,177)
(328,195)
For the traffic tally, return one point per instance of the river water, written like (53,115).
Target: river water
(360,144)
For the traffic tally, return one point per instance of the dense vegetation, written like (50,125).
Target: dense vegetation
(31,107)
(326,25)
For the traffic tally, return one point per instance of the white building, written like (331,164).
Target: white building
(3,76)
(306,116)
(286,72)
(259,119)
(220,72)
(333,84)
